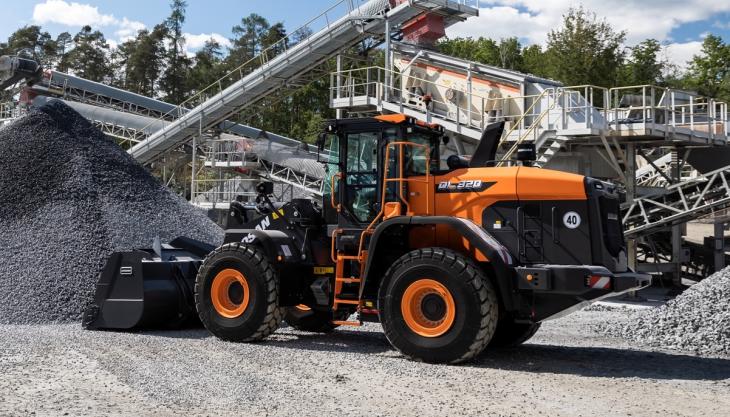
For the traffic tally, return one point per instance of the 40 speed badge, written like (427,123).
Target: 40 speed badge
(467,186)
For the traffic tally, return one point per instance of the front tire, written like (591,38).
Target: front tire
(237,294)
(437,306)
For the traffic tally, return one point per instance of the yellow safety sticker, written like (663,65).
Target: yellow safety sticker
(275,216)
(324,270)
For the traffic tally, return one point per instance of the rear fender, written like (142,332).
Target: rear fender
(499,257)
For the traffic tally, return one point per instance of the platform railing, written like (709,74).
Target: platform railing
(371,82)
(231,152)
(220,192)
(653,107)
(9,111)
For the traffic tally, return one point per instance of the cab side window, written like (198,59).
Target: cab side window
(361,175)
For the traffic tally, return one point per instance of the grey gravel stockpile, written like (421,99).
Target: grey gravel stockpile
(68,198)
(698,320)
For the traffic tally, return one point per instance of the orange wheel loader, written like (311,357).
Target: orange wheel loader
(450,255)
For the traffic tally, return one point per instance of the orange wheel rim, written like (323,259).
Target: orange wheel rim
(229,293)
(428,308)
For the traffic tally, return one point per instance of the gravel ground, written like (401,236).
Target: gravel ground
(698,320)
(566,370)
(69,197)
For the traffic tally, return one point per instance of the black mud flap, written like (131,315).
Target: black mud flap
(148,288)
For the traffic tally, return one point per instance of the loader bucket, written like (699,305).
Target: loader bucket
(148,288)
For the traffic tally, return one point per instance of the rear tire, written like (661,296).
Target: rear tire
(511,334)
(437,306)
(309,320)
(237,294)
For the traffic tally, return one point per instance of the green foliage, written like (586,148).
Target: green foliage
(173,83)
(89,58)
(207,67)
(31,40)
(533,59)
(709,72)
(585,50)
(248,39)
(140,61)
(644,66)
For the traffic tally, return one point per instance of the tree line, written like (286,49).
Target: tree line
(588,50)
(584,50)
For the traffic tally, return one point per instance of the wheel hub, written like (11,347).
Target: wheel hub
(428,308)
(433,307)
(229,293)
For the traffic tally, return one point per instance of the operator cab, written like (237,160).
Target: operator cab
(354,151)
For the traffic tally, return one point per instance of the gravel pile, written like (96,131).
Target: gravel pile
(698,320)
(69,197)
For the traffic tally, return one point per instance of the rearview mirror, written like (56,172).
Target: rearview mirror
(328,148)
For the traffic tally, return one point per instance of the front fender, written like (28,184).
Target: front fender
(276,244)
(499,257)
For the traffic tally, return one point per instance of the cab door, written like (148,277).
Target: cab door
(359,181)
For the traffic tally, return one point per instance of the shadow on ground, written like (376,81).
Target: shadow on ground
(605,362)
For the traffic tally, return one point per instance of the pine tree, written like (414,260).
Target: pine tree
(173,84)
(64,44)
(207,66)
(142,59)
(249,39)
(89,58)
(33,41)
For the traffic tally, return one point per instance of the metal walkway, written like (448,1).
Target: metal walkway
(542,111)
(265,75)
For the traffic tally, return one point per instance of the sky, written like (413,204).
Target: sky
(679,24)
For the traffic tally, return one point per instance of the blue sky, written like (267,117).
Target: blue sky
(679,24)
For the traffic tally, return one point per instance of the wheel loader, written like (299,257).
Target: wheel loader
(450,255)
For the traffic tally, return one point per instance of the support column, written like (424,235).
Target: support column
(192,175)
(388,61)
(338,112)
(676,230)
(630,164)
(719,246)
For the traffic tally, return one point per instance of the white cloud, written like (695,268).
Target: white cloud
(70,14)
(533,19)
(77,14)
(193,41)
(680,53)
(128,29)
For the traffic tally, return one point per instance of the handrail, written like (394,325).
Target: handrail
(532,127)
(347,89)
(400,179)
(526,113)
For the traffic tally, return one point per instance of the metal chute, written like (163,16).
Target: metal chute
(14,69)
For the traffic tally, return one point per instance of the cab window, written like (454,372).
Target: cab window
(361,175)
(416,158)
